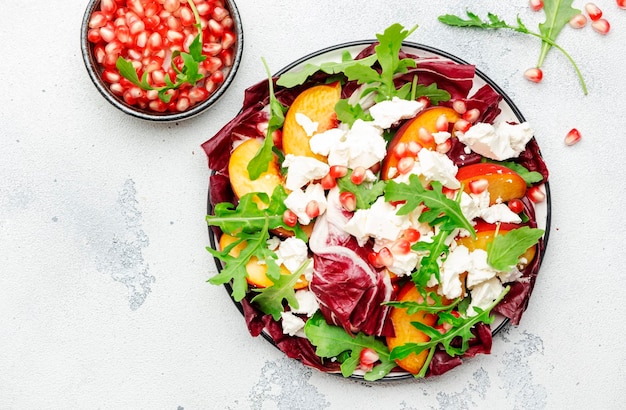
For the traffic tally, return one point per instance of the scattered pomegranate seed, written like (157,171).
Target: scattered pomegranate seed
(348,201)
(578,21)
(459,106)
(312,209)
(425,136)
(290,218)
(401,247)
(535,194)
(338,171)
(516,205)
(405,165)
(621,4)
(412,235)
(328,182)
(593,11)
(367,358)
(534,74)
(358,175)
(601,26)
(442,123)
(536,5)
(572,137)
(462,125)
(471,115)
(478,186)
(444,147)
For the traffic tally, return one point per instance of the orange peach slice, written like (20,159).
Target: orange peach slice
(405,332)
(485,232)
(238,171)
(257,272)
(318,104)
(504,184)
(410,131)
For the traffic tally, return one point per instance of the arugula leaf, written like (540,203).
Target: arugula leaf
(441,209)
(366,194)
(504,251)
(235,266)
(549,30)
(461,331)
(434,94)
(333,341)
(432,303)
(348,113)
(294,78)
(429,264)
(270,299)
(260,162)
(558,14)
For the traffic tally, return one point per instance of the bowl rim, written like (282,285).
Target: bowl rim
(94,74)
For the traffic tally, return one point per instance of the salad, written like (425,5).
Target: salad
(374,215)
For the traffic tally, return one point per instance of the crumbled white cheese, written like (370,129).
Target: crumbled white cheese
(456,263)
(511,276)
(478,270)
(307,303)
(292,253)
(302,170)
(292,324)
(438,167)
(403,263)
(484,294)
(310,127)
(500,213)
(379,222)
(386,113)
(441,136)
(500,141)
(473,205)
(298,199)
(362,145)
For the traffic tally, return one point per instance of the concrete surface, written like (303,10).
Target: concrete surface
(103,268)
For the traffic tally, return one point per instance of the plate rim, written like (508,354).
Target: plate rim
(516,111)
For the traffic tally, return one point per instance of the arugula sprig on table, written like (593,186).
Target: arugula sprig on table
(333,341)
(558,14)
(460,331)
(188,74)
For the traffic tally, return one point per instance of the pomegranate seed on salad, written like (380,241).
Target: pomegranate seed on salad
(516,205)
(137,39)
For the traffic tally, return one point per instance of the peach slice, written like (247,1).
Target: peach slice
(257,272)
(485,232)
(405,332)
(238,171)
(410,131)
(504,184)
(318,104)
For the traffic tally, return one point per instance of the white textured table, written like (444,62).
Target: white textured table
(103,299)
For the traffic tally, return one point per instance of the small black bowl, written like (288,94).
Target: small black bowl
(94,69)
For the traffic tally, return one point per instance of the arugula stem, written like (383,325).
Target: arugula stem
(426,365)
(196,16)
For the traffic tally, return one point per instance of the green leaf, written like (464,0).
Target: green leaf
(127,71)
(558,14)
(504,251)
(366,194)
(530,177)
(429,264)
(332,341)
(270,299)
(434,94)
(432,303)
(294,78)
(348,114)
(260,163)
(461,331)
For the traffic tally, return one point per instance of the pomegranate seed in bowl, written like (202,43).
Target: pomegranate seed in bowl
(138,41)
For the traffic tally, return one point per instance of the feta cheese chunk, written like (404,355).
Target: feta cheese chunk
(484,294)
(298,199)
(302,170)
(362,145)
(455,264)
(293,252)
(500,213)
(478,270)
(292,324)
(438,167)
(309,126)
(500,142)
(387,113)
(307,303)
(379,222)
